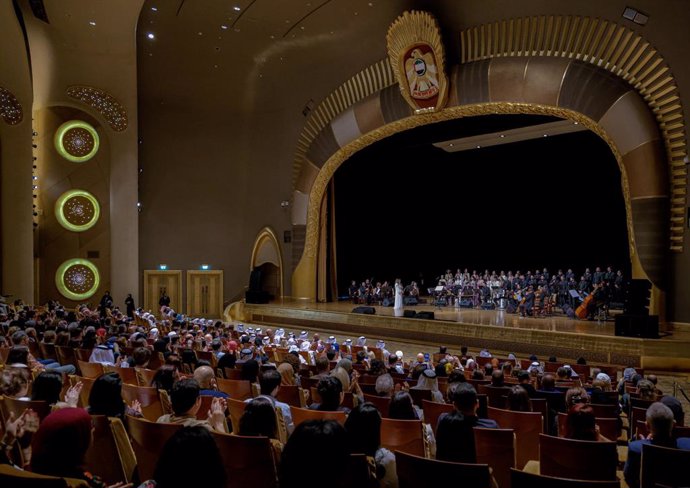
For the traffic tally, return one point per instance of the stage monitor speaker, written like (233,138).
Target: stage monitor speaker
(257,296)
(409,314)
(364,310)
(255,280)
(645,326)
(636,296)
(425,315)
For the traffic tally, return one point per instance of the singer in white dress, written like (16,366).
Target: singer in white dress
(398,305)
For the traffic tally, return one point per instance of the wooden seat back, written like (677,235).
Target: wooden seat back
(232,373)
(636,415)
(605,411)
(292,395)
(236,409)
(403,435)
(145,376)
(678,430)
(382,404)
(416,471)
(580,460)
(609,428)
(47,351)
(237,389)
(663,466)
(127,375)
(418,396)
(496,447)
(540,405)
(300,415)
(16,478)
(148,439)
(495,394)
(87,385)
(248,461)
(9,405)
(90,370)
(149,398)
(523,479)
(432,412)
(104,445)
(206,401)
(83,355)
(65,355)
(528,426)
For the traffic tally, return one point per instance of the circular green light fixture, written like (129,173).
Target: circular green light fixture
(76,141)
(77,210)
(77,279)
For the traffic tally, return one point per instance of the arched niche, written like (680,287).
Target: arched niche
(267,256)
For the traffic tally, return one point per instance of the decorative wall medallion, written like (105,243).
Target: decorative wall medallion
(112,110)
(76,141)
(77,210)
(418,60)
(77,279)
(10,108)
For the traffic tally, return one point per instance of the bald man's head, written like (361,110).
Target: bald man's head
(205,377)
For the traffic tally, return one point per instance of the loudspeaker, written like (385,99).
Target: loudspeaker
(646,326)
(364,310)
(425,315)
(636,296)
(466,304)
(257,296)
(488,306)
(409,314)
(255,280)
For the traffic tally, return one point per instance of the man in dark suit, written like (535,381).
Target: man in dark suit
(454,434)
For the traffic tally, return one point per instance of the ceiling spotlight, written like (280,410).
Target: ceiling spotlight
(138,204)
(236,8)
(151,35)
(91,22)
(155,9)
(34,177)
(451,144)
(545,135)
(502,135)
(575,123)
(479,147)
(224,27)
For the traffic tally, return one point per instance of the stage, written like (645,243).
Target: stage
(496,330)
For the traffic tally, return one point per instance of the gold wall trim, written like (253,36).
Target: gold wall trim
(370,80)
(268,234)
(608,46)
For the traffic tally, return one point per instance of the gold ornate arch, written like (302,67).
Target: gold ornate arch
(613,77)
(267,236)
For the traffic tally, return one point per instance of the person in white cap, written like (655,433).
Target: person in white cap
(304,335)
(380,344)
(362,341)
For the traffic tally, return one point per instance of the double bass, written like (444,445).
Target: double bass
(581,310)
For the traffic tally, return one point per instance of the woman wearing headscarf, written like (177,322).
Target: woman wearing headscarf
(60,445)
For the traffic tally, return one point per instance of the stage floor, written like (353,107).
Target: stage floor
(555,335)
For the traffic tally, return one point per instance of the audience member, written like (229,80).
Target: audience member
(186,401)
(518,400)
(207,382)
(331,392)
(363,427)
(581,424)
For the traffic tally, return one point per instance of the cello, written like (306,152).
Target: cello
(581,310)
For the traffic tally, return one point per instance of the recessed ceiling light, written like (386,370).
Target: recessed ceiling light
(224,27)
(237,8)
(575,123)
(502,135)
(155,9)
(151,35)
(91,22)
(545,135)
(451,144)
(371,4)
(200,33)
(479,147)
(272,37)
(301,27)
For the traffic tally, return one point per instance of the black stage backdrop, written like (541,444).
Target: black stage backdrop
(407,209)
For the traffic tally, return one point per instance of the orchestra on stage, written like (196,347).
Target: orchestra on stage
(530,293)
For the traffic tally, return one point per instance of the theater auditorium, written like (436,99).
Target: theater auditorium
(387,243)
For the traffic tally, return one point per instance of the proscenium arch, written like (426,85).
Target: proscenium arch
(267,237)
(565,88)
